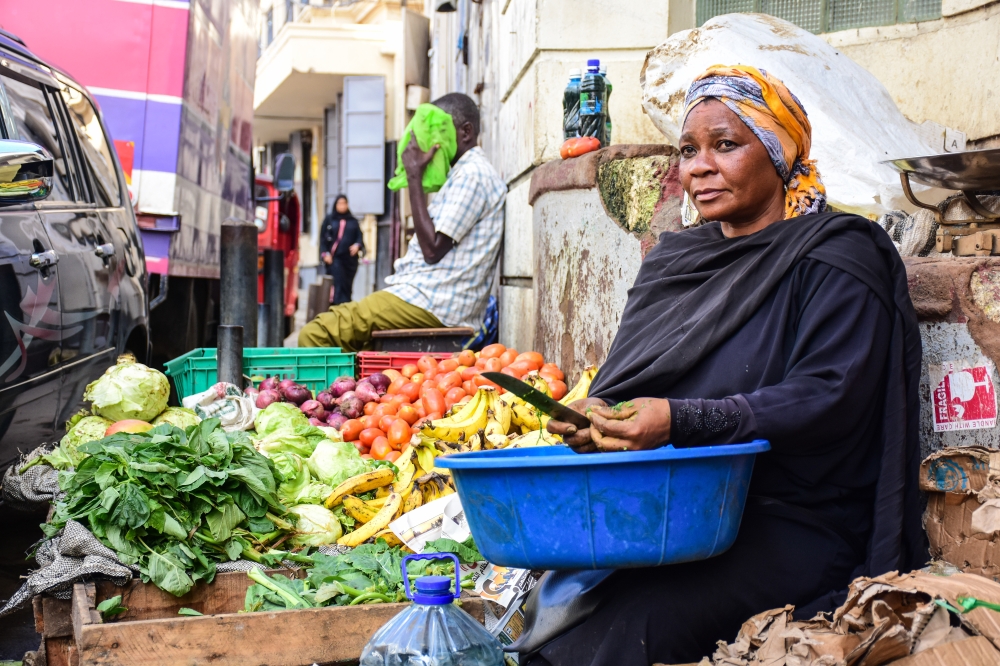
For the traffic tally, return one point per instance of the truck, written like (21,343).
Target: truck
(174,80)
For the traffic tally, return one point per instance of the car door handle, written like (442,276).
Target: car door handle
(44,259)
(105,251)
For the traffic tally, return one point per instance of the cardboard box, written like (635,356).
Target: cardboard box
(975,651)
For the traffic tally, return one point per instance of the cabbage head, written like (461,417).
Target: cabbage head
(86,429)
(278,415)
(180,417)
(315,525)
(129,390)
(296,483)
(334,462)
(299,439)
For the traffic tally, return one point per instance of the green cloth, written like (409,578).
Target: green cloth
(432,126)
(350,325)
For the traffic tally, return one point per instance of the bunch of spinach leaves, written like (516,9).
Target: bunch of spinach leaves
(369,573)
(172,502)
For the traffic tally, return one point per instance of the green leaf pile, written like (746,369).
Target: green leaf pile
(170,501)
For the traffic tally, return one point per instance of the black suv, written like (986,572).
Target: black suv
(72,271)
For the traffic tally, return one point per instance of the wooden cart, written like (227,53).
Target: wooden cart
(151,633)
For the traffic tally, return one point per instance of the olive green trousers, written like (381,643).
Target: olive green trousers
(350,325)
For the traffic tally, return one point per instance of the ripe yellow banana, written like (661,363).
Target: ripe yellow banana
(390,538)
(534,438)
(361,483)
(377,503)
(527,417)
(413,501)
(357,509)
(373,526)
(582,388)
(502,411)
(534,380)
(464,424)
(406,470)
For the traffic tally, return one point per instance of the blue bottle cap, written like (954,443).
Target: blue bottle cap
(593,63)
(433,590)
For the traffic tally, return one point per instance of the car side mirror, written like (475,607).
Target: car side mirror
(25,172)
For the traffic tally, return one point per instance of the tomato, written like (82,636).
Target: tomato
(532,357)
(510,372)
(493,365)
(508,357)
(480,363)
(396,384)
(368,436)
(520,367)
(399,433)
(370,408)
(419,405)
(552,369)
(558,388)
(368,421)
(399,401)
(409,414)
(392,456)
(434,416)
(470,387)
(426,362)
(467,358)
(453,396)
(492,351)
(409,370)
(362,449)
(578,145)
(464,400)
(482,381)
(411,391)
(392,374)
(351,429)
(386,398)
(448,365)
(431,384)
(381,448)
(366,456)
(434,402)
(449,381)
(386,422)
(469,373)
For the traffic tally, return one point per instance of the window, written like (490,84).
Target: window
(33,117)
(289,11)
(269,28)
(94,146)
(828,15)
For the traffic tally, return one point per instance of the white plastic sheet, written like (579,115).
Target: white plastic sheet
(855,123)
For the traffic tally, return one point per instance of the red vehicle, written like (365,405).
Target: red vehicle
(278,218)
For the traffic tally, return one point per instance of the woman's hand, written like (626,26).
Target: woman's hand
(636,425)
(355,249)
(327,259)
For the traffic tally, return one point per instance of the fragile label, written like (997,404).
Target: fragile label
(963,395)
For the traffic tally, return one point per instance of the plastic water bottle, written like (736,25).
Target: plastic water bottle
(593,99)
(607,105)
(432,631)
(571,106)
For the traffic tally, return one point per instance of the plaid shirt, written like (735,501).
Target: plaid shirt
(469,210)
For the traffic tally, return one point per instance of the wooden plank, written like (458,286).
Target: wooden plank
(57,618)
(333,635)
(36,609)
(83,610)
(60,651)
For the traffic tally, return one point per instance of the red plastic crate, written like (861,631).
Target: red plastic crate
(375,361)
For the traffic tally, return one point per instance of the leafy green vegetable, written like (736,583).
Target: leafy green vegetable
(177,416)
(467,552)
(171,502)
(296,483)
(111,607)
(189,612)
(278,415)
(128,390)
(315,525)
(66,455)
(335,462)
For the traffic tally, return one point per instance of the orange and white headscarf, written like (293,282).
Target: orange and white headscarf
(777,118)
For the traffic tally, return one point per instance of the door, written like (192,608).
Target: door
(364,143)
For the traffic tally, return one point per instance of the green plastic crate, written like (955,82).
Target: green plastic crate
(315,367)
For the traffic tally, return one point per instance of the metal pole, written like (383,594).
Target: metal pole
(263,316)
(229,356)
(274,295)
(238,277)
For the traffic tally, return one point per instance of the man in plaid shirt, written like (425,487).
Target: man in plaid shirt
(445,276)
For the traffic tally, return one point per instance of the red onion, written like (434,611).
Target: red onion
(325,398)
(341,399)
(296,393)
(286,383)
(269,384)
(352,407)
(379,381)
(366,392)
(317,422)
(342,385)
(250,392)
(266,397)
(336,420)
(313,409)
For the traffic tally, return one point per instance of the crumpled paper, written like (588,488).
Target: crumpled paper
(225,402)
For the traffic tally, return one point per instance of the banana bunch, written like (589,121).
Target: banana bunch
(526,417)
(483,422)
(582,388)
(534,438)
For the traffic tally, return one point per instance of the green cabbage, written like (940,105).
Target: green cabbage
(315,525)
(297,485)
(334,462)
(129,390)
(299,439)
(278,415)
(86,429)
(180,417)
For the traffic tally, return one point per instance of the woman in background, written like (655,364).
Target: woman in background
(340,247)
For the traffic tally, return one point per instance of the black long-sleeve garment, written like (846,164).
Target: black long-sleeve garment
(803,335)
(352,235)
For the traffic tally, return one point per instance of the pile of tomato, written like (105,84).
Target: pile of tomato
(426,390)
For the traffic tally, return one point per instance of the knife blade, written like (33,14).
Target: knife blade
(535,397)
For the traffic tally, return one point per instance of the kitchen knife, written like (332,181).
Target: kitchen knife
(535,397)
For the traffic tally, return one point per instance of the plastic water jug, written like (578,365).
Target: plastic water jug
(593,98)
(432,631)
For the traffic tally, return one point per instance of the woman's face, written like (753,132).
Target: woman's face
(726,170)
(342,205)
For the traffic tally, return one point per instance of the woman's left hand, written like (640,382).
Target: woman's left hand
(636,425)
(355,249)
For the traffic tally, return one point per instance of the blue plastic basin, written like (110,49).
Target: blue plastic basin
(549,508)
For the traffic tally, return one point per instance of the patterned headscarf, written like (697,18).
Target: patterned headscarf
(776,116)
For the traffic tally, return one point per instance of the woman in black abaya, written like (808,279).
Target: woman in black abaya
(774,320)
(341,245)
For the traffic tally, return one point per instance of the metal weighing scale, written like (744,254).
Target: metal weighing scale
(971,173)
